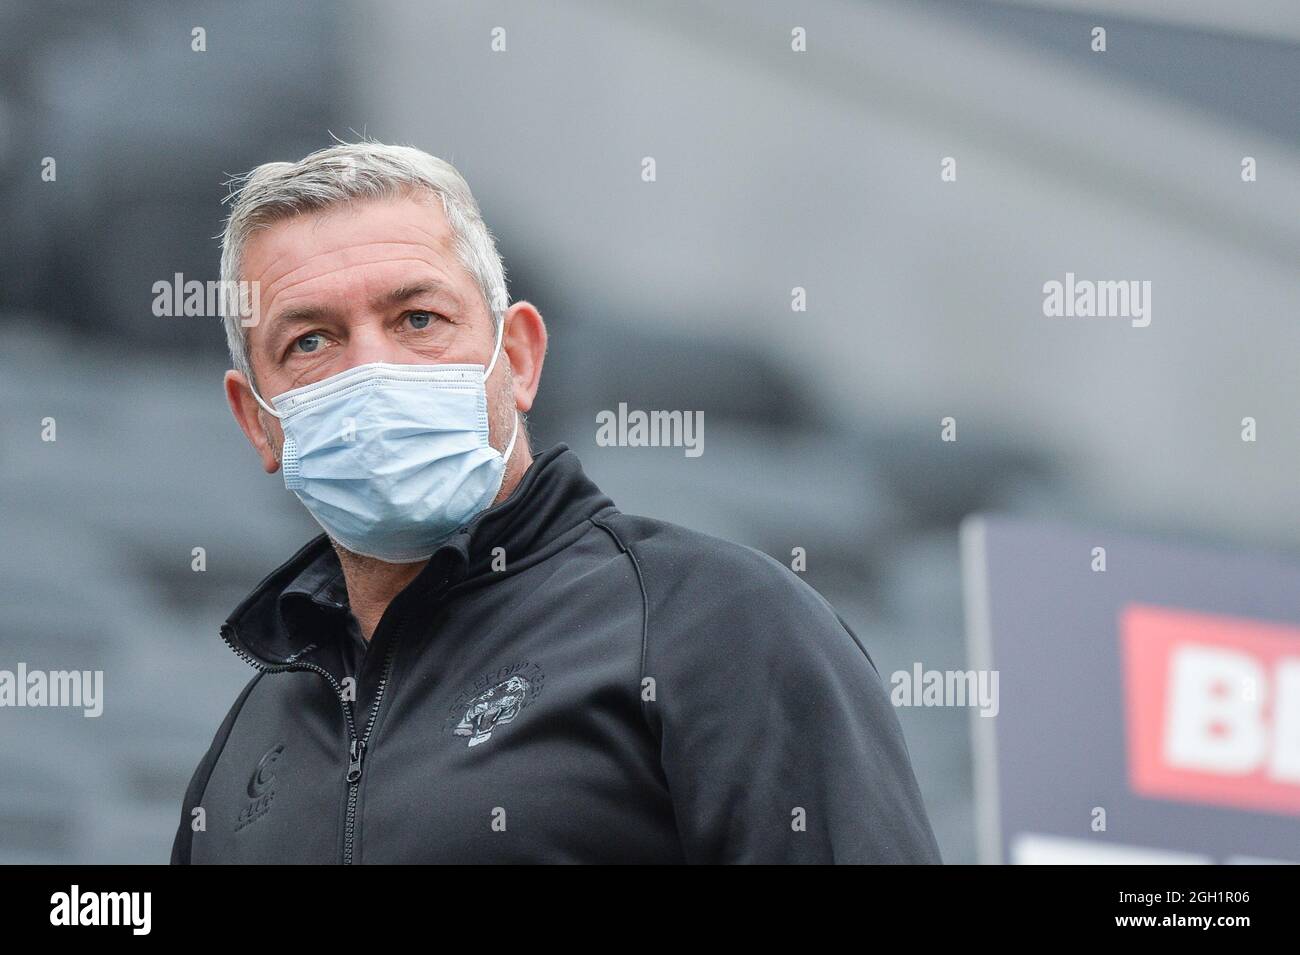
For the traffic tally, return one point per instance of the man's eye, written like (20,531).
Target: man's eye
(420,319)
(309,343)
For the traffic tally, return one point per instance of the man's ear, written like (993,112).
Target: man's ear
(524,343)
(252,420)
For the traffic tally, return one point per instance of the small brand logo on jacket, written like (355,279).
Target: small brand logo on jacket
(497,698)
(261,788)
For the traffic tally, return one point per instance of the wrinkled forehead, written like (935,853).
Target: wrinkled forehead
(359,232)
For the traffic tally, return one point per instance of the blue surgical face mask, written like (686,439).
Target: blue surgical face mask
(392,459)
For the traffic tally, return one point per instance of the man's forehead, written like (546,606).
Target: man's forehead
(358,233)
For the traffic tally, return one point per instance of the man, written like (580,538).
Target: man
(482,659)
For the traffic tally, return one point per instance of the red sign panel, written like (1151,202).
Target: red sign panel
(1213,708)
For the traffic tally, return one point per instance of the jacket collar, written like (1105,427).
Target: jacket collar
(553,498)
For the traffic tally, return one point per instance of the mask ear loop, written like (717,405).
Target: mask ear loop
(511,446)
(288,457)
(265,407)
(496,353)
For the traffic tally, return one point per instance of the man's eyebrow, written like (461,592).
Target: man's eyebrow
(300,314)
(407,291)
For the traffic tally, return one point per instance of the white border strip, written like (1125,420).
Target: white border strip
(979,648)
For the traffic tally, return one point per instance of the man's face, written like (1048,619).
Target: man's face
(374,281)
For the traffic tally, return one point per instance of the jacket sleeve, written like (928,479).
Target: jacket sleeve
(778,740)
(182,844)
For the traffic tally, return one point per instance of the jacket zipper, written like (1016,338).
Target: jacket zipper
(356,743)
(357,750)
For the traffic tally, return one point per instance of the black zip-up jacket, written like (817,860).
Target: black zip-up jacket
(561,683)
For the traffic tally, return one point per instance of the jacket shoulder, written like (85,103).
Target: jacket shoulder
(742,598)
(695,552)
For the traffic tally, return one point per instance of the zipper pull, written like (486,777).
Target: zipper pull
(355,752)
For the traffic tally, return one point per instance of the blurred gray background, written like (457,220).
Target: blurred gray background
(775,170)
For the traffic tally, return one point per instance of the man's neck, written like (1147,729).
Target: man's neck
(372,584)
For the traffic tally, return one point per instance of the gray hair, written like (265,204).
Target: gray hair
(355,171)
